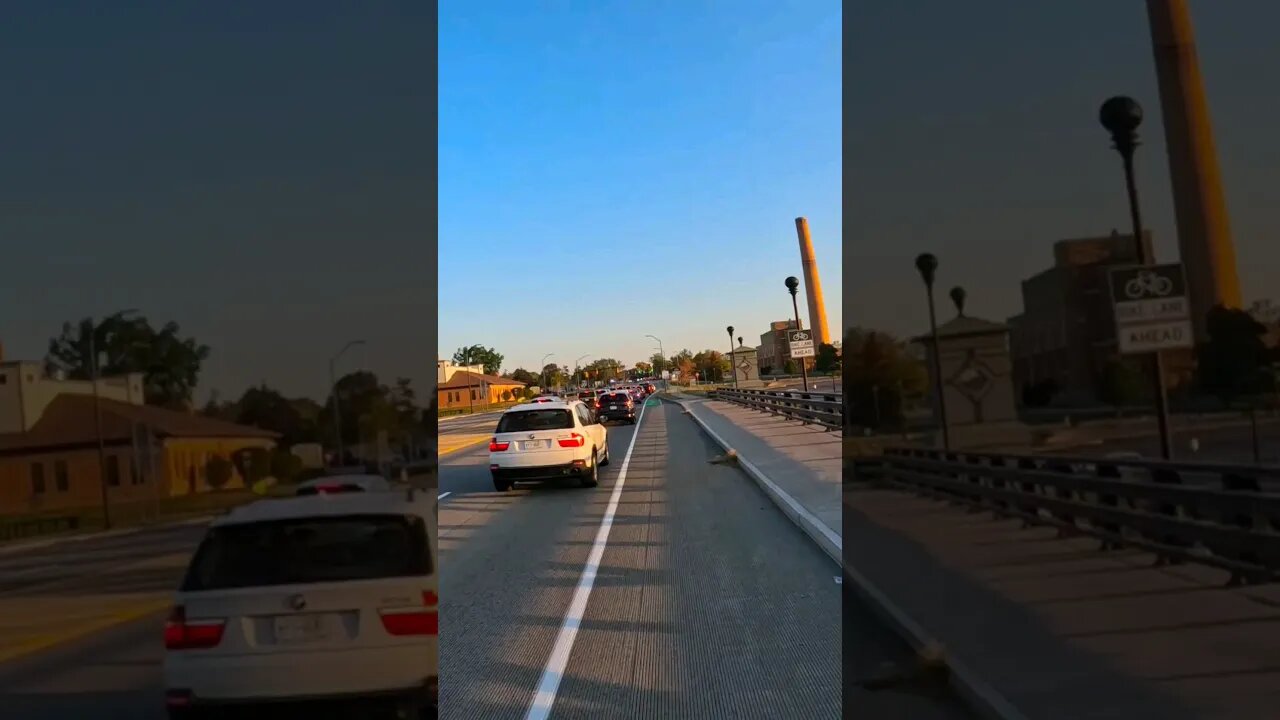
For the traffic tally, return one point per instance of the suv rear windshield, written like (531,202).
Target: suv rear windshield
(310,550)
(615,398)
(529,420)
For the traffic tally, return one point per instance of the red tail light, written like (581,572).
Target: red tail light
(495,446)
(183,634)
(574,440)
(411,622)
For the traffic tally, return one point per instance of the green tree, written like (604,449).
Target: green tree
(645,369)
(479,355)
(128,343)
(367,408)
(285,466)
(524,376)
(790,367)
(659,363)
(879,375)
(218,472)
(553,375)
(266,408)
(1235,361)
(827,359)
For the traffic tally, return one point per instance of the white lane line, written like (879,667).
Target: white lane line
(545,697)
(443,495)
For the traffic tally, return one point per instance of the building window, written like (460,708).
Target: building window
(3,378)
(60,477)
(113,470)
(474,396)
(135,473)
(37,478)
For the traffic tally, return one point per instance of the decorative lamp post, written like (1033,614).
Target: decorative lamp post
(793,286)
(1121,116)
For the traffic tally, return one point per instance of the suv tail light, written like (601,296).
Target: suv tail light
(183,634)
(574,440)
(413,621)
(495,446)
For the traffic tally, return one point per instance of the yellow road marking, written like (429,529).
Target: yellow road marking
(49,640)
(453,443)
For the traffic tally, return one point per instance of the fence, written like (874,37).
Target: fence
(1227,516)
(825,409)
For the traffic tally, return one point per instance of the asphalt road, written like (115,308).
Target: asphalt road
(707,602)
(113,674)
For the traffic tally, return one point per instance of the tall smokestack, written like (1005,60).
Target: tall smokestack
(1204,233)
(812,285)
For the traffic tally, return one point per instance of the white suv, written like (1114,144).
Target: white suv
(315,603)
(547,440)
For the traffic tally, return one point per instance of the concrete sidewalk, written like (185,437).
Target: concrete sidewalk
(797,465)
(1056,630)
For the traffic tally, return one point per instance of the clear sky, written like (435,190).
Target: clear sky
(611,169)
(257,172)
(976,137)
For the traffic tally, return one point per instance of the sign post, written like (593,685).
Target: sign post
(1152,314)
(801,347)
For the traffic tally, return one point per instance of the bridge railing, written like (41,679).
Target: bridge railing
(1226,516)
(825,409)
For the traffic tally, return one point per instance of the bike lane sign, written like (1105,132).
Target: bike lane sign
(1151,308)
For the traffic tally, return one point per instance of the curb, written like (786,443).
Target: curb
(973,691)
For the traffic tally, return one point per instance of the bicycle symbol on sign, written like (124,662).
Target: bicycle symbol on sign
(799,336)
(1147,284)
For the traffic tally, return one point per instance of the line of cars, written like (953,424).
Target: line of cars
(560,437)
(320,604)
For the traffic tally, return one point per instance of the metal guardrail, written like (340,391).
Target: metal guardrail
(825,409)
(1226,516)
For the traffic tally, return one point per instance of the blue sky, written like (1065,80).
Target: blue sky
(977,138)
(611,169)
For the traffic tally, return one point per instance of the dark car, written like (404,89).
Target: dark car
(639,396)
(590,398)
(616,405)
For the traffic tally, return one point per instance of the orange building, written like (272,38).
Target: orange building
(466,389)
(151,453)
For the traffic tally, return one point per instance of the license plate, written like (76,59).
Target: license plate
(613,407)
(535,444)
(301,628)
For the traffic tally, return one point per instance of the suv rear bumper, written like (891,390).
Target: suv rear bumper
(616,414)
(387,703)
(546,472)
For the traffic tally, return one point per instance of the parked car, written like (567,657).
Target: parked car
(542,442)
(319,605)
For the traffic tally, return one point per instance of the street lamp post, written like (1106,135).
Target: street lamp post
(732,369)
(577,367)
(542,369)
(792,287)
(927,265)
(661,354)
(337,408)
(97,416)
(1121,116)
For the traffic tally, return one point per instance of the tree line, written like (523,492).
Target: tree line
(170,364)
